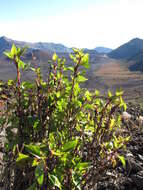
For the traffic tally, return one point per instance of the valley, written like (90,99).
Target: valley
(114,74)
(109,69)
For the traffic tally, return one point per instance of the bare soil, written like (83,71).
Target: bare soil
(112,74)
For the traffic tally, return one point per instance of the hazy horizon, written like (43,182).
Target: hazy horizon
(78,23)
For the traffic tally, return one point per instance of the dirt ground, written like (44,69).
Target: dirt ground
(112,74)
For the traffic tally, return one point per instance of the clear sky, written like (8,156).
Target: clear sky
(80,23)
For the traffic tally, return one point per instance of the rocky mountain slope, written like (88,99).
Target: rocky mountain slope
(129,177)
(136,62)
(128,50)
(132,54)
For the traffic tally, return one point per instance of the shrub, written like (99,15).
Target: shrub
(59,136)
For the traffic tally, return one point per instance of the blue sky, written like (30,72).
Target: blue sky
(80,23)
(12,9)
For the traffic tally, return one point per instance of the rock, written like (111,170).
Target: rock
(138,180)
(140,119)
(140,157)
(14,130)
(128,184)
(129,177)
(132,166)
(129,154)
(126,115)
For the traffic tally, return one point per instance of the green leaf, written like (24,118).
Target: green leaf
(34,163)
(69,145)
(32,187)
(55,181)
(119,93)
(109,94)
(127,139)
(13,50)
(27,66)
(39,173)
(33,149)
(35,124)
(22,158)
(75,50)
(57,153)
(21,51)
(52,143)
(81,78)
(76,89)
(115,142)
(112,122)
(10,82)
(8,54)
(33,69)
(71,56)
(97,101)
(122,159)
(84,61)
(27,85)
(55,57)
(70,68)
(97,93)
(76,178)
(124,106)
(58,94)
(21,64)
(82,166)
(88,95)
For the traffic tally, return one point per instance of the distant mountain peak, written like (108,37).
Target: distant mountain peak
(101,49)
(5,44)
(135,39)
(4,38)
(136,42)
(128,50)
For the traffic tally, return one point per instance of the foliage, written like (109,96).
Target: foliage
(59,135)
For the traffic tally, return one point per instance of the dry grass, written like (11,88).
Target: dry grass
(116,74)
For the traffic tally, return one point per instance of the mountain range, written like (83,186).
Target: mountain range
(39,53)
(112,70)
(41,50)
(6,43)
(101,49)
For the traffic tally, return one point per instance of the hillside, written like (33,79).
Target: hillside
(5,44)
(132,54)
(101,49)
(128,50)
(136,62)
(104,72)
(38,54)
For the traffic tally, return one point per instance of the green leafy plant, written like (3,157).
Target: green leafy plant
(59,135)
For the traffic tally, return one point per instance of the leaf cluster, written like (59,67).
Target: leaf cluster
(59,134)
